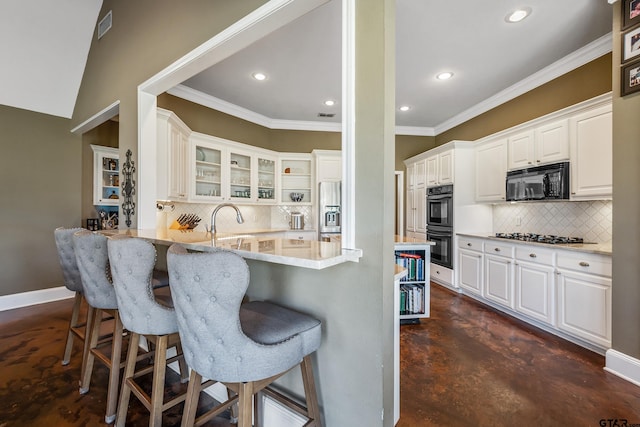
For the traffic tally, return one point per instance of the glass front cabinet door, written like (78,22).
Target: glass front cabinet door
(106,176)
(207,172)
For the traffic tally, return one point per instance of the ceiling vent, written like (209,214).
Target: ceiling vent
(326,114)
(104,25)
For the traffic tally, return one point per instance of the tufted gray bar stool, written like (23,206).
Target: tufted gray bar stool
(93,263)
(73,282)
(132,261)
(244,346)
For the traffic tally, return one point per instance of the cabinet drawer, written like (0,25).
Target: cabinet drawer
(470,244)
(441,274)
(499,249)
(535,255)
(585,263)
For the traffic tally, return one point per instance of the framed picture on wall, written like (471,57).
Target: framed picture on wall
(630,78)
(631,44)
(630,13)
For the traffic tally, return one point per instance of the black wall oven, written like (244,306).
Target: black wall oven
(440,224)
(442,252)
(440,206)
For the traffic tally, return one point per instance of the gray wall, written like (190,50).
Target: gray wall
(41,175)
(626,209)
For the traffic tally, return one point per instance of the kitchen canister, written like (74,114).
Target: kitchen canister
(297,221)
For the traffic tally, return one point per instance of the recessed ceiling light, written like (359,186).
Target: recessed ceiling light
(329,103)
(405,108)
(444,76)
(259,76)
(518,15)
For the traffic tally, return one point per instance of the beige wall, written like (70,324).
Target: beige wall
(41,173)
(592,79)
(211,122)
(626,209)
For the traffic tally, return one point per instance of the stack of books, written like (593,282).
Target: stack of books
(411,299)
(413,263)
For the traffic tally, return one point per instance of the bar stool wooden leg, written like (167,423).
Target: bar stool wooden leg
(245,394)
(310,391)
(191,402)
(157,391)
(73,323)
(90,343)
(114,369)
(129,369)
(182,364)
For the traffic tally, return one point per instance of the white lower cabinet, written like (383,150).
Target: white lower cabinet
(470,261)
(535,284)
(498,280)
(584,297)
(564,291)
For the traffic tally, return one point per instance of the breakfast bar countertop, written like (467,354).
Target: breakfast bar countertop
(299,253)
(594,248)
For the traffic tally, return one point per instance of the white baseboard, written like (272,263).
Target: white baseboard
(24,299)
(626,367)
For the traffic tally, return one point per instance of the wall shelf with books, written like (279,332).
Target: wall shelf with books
(414,287)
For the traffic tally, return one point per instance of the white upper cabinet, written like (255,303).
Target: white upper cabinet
(173,157)
(439,169)
(491,171)
(328,165)
(543,144)
(552,142)
(522,150)
(591,139)
(420,173)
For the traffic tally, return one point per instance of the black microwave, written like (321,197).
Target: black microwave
(548,182)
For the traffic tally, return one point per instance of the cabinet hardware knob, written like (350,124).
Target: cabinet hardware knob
(528,163)
(533,255)
(573,192)
(584,264)
(497,249)
(538,161)
(468,244)
(437,272)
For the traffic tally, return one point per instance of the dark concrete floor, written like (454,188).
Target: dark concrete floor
(469,365)
(465,366)
(36,390)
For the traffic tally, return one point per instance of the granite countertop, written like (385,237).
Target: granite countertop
(404,240)
(594,248)
(250,245)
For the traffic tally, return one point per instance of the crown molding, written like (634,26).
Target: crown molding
(415,131)
(576,59)
(580,57)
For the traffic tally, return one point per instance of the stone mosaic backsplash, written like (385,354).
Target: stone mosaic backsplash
(255,216)
(590,220)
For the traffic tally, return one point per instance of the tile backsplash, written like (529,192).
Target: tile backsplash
(590,220)
(255,216)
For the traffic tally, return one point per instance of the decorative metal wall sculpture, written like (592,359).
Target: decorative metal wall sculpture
(128,189)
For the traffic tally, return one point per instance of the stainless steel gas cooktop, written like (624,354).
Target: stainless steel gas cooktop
(541,238)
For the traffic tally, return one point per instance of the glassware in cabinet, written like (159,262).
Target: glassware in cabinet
(208,172)
(266,179)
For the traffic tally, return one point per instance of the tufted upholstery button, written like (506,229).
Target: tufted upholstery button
(220,341)
(188,298)
(226,274)
(129,271)
(210,359)
(212,298)
(203,320)
(196,278)
(91,259)
(238,359)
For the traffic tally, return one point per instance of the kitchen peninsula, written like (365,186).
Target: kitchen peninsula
(251,245)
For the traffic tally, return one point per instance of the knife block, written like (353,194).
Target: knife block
(175,225)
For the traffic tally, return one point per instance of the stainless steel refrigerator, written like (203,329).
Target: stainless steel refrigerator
(329,209)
